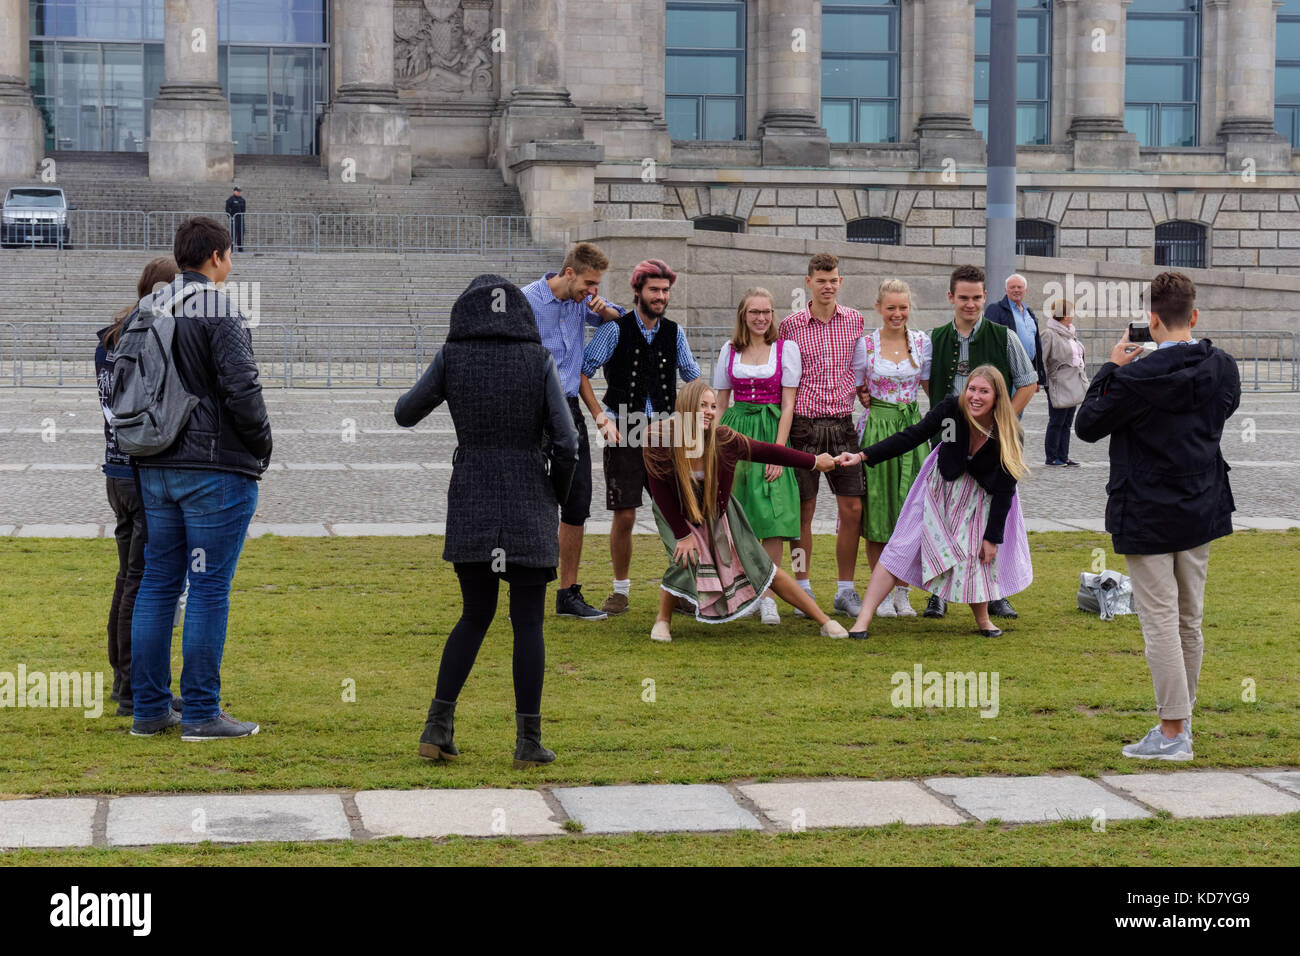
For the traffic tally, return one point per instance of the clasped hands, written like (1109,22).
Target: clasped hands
(826,461)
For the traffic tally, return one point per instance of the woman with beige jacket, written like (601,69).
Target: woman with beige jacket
(1067,380)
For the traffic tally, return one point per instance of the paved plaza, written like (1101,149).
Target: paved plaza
(342,466)
(785,807)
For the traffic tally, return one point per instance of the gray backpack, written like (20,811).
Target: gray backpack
(148,405)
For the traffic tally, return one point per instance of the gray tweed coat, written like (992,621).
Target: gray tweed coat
(504,394)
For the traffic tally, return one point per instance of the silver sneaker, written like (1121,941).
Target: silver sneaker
(847,602)
(1156,746)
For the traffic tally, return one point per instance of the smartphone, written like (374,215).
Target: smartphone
(1139,331)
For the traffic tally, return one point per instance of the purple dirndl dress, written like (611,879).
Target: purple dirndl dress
(936,543)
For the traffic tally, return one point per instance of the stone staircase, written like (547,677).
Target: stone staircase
(120,181)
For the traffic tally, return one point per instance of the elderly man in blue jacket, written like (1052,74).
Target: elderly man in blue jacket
(1012,312)
(1168,494)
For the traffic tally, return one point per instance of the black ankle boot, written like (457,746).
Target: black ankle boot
(435,742)
(529,751)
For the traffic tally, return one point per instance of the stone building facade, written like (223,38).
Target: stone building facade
(567,98)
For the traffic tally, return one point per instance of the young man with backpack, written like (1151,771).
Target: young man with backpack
(201,449)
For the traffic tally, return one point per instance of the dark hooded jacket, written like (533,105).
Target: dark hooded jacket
(1164,413)
(505,397)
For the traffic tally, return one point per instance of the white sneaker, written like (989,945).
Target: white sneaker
(767,608)
(901,604)
(886,608)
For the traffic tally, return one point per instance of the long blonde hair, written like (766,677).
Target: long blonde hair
(898,287)
(741,335)
(1006,427)
(683,432)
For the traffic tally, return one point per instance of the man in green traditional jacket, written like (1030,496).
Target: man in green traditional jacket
(967,342)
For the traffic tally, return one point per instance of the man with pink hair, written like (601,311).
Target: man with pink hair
(642,355)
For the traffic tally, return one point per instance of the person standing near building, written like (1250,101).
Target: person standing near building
(236,206)
(124,499)
(199,497)
(761,372)
(504,393)
(891,367)
(643,354)
(825,333)
(1067,381)
(563,304)
(1012,313)
(1168,494)
(964,343)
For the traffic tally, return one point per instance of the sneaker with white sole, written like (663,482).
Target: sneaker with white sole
(886,607)
(1156,746)
(902,606)
(221,727)
(848,603)
(767,610)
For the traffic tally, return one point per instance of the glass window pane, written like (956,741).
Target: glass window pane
(153,19)
(293,109)
(1161,6)
(837,118)
(982,35)
(1031,124)
(1031,80)
(1177,125)
(1159,82)
(859,3)
(980,119)
(1288,39)
(1287,122)
(981,79)
(857,32)
(1140,121)
(76,110)
(857,77)
(1161,37)
(1031,35)
(683,115)
(704,29)
(721,119)
(123,110)
(878,122)
(1288,84)
(703,74)
(249,114)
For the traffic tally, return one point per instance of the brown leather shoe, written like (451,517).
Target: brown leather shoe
(615,604)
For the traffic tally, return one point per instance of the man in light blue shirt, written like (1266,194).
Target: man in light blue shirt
(643,354)
(564,304)
(1012,312)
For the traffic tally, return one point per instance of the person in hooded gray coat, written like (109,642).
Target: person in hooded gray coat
(505,397)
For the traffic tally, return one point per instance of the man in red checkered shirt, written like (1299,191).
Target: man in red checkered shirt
(826,333)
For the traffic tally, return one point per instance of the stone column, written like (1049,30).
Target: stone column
(1246,130)
(947,96)
(366,135)
(1096,100)
(22,130)
(544,150)
(789,58)
(189,139)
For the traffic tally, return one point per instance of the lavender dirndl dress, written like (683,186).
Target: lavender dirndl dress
(936,543)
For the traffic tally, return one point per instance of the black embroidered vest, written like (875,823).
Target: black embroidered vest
(639,369)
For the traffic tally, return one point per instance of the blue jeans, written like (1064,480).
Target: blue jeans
(1057,441)
(197,521)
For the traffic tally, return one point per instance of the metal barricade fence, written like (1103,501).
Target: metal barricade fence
(524,233)
(1267,360)
(9,364)
(438,233)
(262,231)
(56,353)
(107,229)
(348,232)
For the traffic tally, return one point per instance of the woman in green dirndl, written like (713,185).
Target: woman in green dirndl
(763,372)
(892,364)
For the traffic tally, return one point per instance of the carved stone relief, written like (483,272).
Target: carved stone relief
(443,46)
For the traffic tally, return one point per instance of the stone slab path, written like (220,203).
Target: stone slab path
(647,808)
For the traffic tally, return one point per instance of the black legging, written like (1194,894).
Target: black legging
(478,588)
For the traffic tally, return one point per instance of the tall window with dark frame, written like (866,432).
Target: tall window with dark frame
(1162,72)
(860,40)
(1180,245)
(1286,108)
(1035,237)
(880,232)
(704,70)
(1033,70)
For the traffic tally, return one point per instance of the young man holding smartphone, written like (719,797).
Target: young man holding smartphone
(1169,495)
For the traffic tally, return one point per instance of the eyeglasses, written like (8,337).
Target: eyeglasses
(757,314)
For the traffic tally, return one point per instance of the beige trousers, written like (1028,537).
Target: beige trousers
(1170,592)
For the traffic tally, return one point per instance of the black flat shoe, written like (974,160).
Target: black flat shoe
(858,635)
(992,632)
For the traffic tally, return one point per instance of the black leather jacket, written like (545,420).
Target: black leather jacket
(229,429)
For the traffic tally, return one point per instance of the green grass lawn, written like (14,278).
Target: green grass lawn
(731,701)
